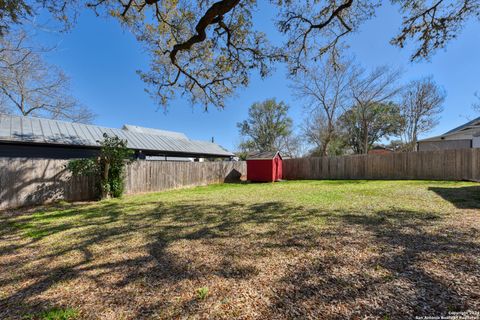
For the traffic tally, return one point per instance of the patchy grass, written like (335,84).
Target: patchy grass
(202,293)
(56,314)
(298,249)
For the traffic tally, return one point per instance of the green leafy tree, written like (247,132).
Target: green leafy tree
(207,49)
(267,128)
(109,167)
(363,127)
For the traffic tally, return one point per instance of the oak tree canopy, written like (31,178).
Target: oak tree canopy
(207,49)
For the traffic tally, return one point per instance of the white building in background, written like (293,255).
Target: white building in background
(465,136)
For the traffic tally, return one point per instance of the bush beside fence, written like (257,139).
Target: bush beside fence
(37,181)
(461,164)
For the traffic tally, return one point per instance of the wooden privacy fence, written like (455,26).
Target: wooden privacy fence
(461,164)
(151,176)
(37,181)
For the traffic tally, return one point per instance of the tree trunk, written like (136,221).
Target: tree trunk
(325,147)
(106,169)
(365,140)
(413,143)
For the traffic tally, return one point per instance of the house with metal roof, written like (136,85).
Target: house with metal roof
(44,138)
(465,136)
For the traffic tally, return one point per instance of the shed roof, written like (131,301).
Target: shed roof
(265,155)
(53,132)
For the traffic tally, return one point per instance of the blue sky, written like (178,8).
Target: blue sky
(101,58)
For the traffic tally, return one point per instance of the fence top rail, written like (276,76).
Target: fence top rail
(389,154)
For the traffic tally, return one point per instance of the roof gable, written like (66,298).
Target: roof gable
(474,122)
(465,131)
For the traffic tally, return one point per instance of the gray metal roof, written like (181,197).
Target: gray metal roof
(473,131)
(44,131)
(470,128)
(159,132)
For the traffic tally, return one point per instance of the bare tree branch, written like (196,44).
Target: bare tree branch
(324,89)
(421,104)
(206,50)
(30,87)
(432,24)
(372,92)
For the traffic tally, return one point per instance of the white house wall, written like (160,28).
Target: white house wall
(476,142)
(467,135)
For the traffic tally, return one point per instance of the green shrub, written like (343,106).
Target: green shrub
(84,167)
(109,167)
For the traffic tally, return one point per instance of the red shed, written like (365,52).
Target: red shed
(264,166)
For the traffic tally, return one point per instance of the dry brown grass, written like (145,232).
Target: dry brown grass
(306,250)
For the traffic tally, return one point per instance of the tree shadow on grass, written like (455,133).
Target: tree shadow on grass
(86,227)
(413,273)
(193,242)
(462,198)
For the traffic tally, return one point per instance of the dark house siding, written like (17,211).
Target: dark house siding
(40,151)
(23,150)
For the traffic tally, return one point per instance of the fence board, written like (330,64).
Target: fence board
(37,181)
(461,164)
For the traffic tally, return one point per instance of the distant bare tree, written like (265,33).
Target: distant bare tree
(30,86)
(324,88)
(476,104)
(3,103)
(315,131)
(292,146)
(3,109)
(422,102)
(369,90)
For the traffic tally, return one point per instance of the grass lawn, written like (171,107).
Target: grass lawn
(298,249)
